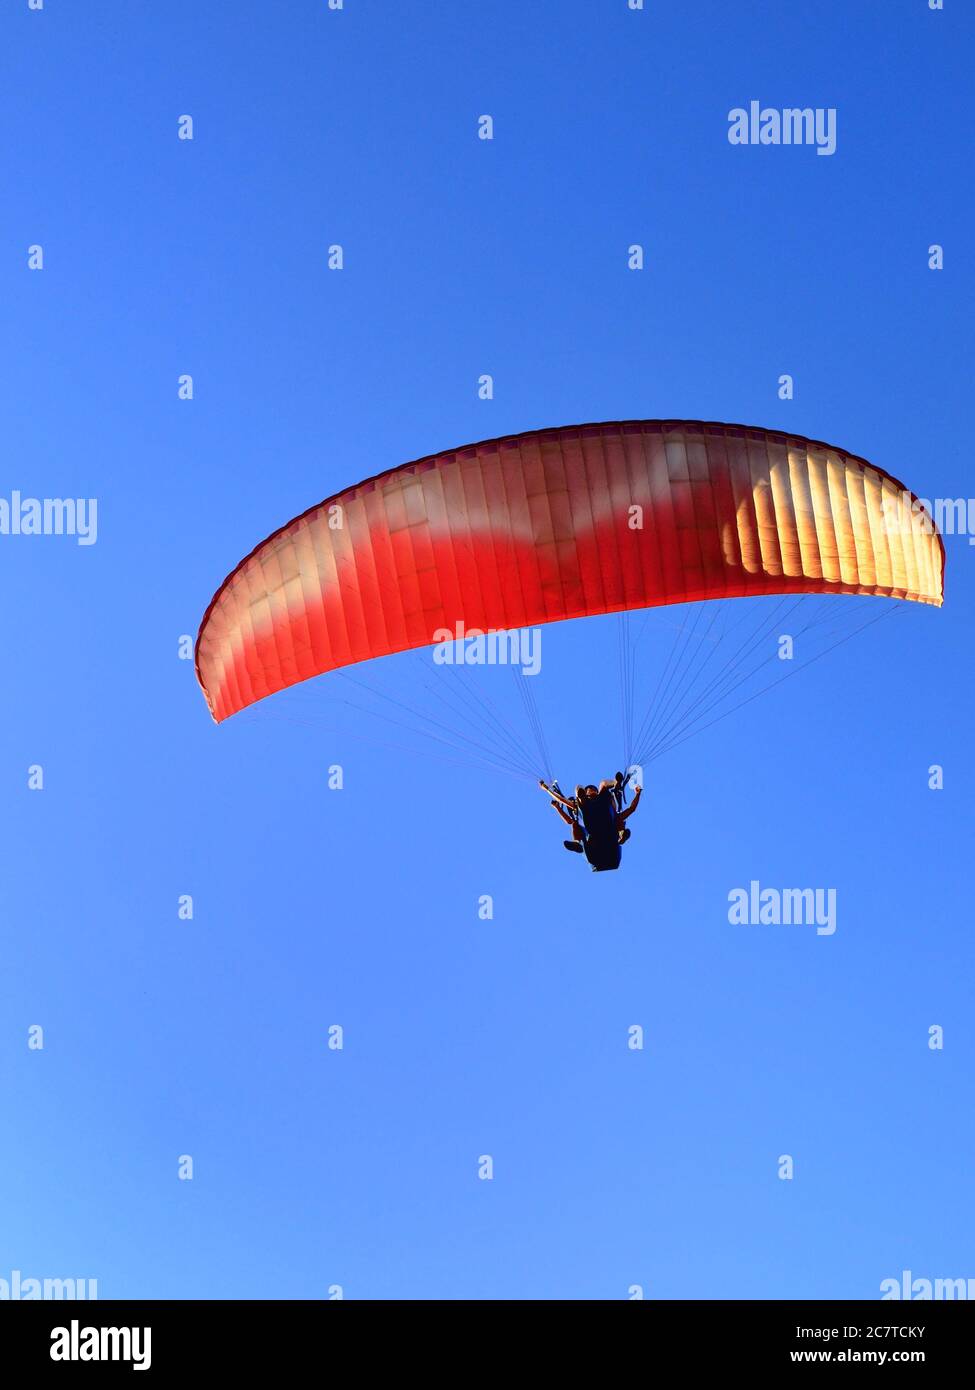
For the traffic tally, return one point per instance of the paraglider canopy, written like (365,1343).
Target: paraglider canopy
(553,524)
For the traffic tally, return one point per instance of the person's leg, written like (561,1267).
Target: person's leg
(578,837)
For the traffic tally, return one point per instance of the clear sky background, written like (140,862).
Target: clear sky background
(358,907)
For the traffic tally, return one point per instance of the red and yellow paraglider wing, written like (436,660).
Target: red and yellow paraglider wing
(560,523)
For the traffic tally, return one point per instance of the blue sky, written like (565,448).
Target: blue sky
(358,1168)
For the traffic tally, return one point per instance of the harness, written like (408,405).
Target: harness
(618,794)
